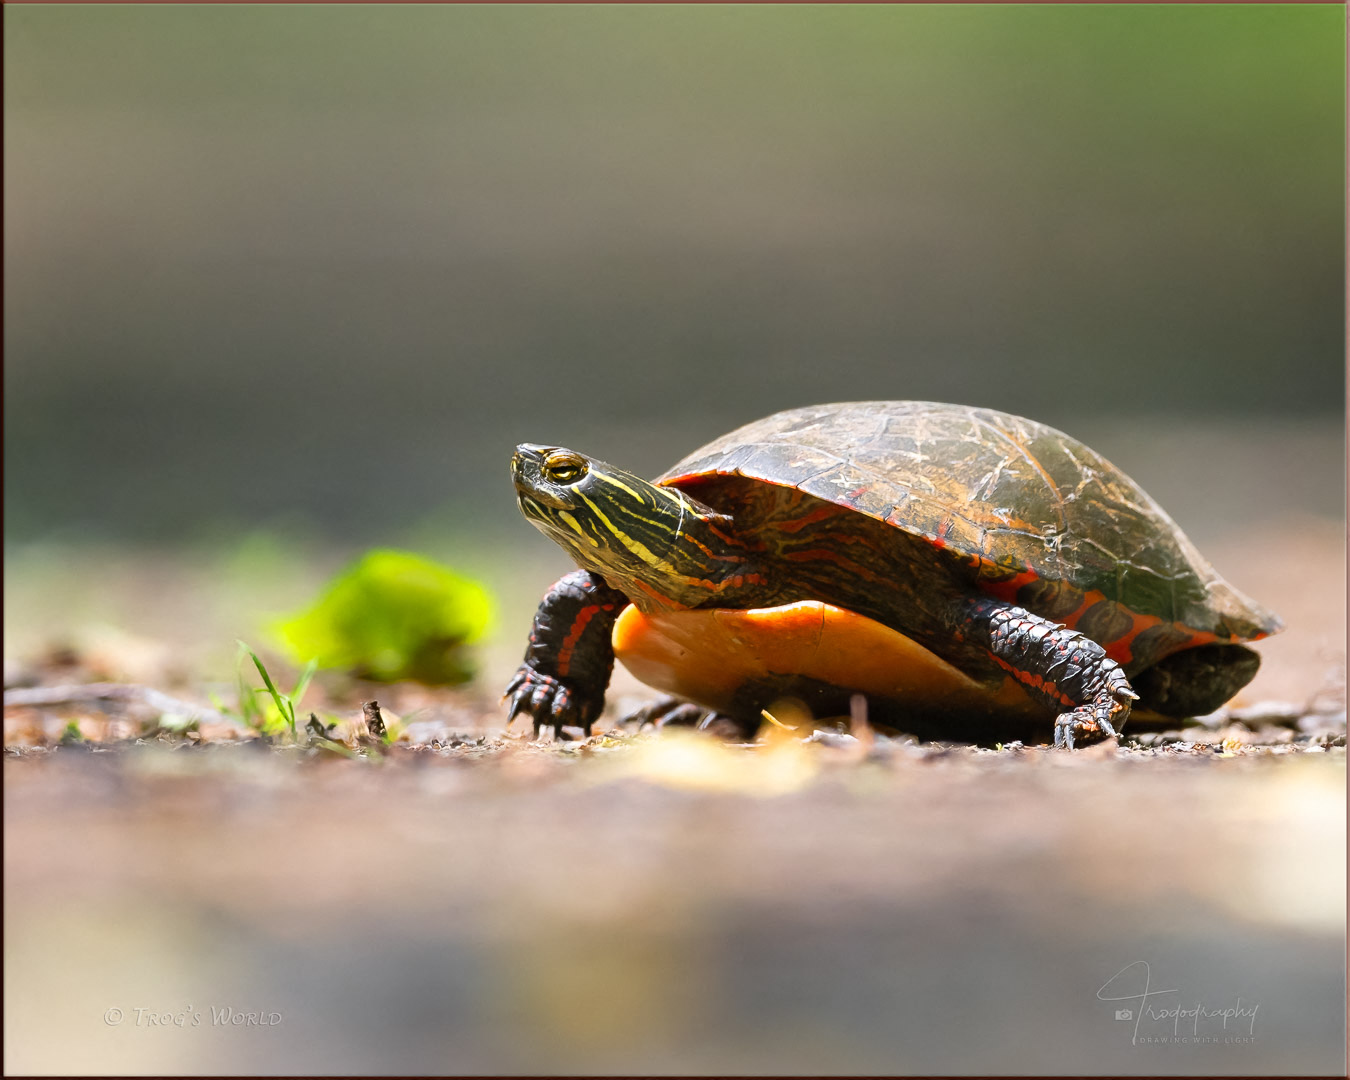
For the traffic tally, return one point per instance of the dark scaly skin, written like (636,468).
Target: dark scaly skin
(906,512)
(570,656)
(1058,665)
(673,712)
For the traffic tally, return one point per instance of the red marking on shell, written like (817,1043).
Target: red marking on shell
(826,555)
(820,513)
(1119,649)
(1008,590)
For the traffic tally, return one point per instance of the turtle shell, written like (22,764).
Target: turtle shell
(1039,518)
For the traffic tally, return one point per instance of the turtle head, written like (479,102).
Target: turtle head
(656,544)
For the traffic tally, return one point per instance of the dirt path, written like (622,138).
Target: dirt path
(674,904)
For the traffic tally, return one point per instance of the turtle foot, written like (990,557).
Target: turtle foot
(1081,721)
(548,702)
(1099,716)
(672,712)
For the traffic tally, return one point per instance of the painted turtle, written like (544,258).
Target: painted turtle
(965,569)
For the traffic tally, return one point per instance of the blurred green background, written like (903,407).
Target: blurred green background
(299,278)
(336,262)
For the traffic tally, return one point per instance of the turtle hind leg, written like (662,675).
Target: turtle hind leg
(1196,681)
(676,712)
(1054,664)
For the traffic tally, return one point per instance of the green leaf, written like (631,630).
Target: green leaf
(392,615)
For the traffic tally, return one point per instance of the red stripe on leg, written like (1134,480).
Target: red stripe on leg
(584,616)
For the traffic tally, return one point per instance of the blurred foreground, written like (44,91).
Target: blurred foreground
(641,904)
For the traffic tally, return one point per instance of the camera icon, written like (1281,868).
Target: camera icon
(1124,1014)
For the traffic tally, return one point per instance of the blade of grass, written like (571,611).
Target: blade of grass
(283,705)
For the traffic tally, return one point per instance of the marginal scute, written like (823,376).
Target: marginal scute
(1104,622)
(1055,600)
(1160,640)
(1010,491)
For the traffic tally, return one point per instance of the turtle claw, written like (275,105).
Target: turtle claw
(547,701)
(672,712)
(1087,719)
(1080,720)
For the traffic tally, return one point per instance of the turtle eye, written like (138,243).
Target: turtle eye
(564,468)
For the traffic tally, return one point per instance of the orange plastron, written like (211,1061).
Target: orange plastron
(707,655)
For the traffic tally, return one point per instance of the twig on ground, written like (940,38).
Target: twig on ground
(374,721)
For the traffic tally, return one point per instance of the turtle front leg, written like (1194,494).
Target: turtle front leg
(1056,665)
(571,655)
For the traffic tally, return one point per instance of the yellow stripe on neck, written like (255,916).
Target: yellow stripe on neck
(619,484)
(635,546)
(575,526)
